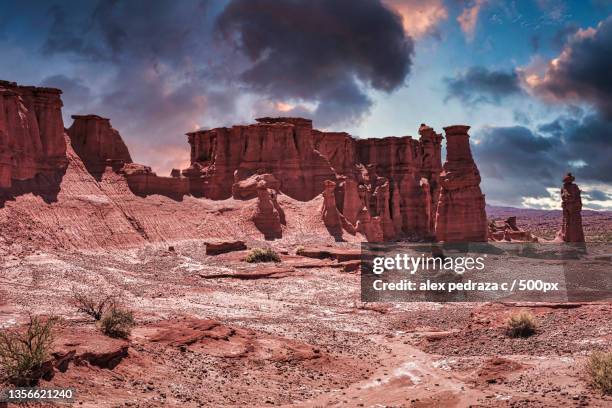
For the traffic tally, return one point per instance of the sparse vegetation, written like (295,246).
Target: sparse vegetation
(23,352)
(117,322)
(262,255)
(299,250)
(93,304)
(599,368)
(522,324)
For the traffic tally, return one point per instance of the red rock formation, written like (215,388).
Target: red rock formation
(221,247)
(370,227)
(352,202)
(248,188)
(280,146)
(461,213)
(571,202)
(97,143)
(268,215)
(332,218)
(389,186)
(31,132)
(143,181)
(430,172)
(508,230)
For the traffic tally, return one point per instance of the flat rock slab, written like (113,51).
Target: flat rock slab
(221,247)
(339,254)
(257,273)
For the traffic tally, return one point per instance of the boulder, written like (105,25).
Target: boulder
(248,188)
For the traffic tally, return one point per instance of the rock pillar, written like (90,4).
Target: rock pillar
(460,216)
(571,230)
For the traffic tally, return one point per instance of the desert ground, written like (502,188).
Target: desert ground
(217,331)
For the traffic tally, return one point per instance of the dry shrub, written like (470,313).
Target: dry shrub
(262,255)
(522,324)
(93,304)
(117,322)
(23,352)
(599,368)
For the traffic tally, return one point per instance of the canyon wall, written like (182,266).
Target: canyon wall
(383,188)
(31,133)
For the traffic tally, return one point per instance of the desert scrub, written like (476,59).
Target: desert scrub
(299,250)
(23,352)
(522,324)
(599,368)
(262,255)
(117,322)
(93,304)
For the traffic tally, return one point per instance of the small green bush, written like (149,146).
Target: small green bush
(93,304)
(23,352)
(522,324)
(262,255)
(599,367)
(117,322)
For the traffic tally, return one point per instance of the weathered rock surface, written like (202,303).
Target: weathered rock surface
(97,143)
(571,202)
(279,146)
(31,133)
(331,216)
(247,189)
(268,215)
(460,216)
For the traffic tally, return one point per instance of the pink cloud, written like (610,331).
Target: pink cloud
(468,19)
(419,17)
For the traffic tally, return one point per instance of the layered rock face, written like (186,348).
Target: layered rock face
(460,215)
(571,202)
(280,146)
(97,143)
(31,133)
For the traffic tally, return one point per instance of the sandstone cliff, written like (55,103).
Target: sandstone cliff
(97,143)
(31,133)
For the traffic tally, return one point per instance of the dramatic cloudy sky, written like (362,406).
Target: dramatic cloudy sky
(532,77)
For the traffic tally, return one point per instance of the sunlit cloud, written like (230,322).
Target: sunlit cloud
(419,17)
(468,19)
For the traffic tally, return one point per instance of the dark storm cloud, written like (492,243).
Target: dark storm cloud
(319,51)
(517,162)
(150,66)
(583,71)
(480,85)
